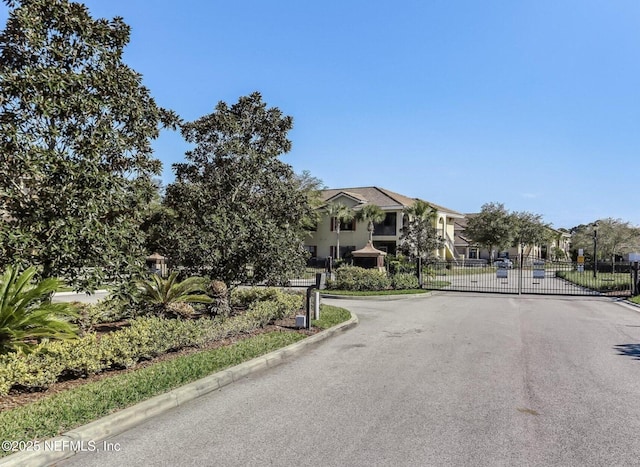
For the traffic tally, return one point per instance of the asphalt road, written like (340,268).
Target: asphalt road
(452,379)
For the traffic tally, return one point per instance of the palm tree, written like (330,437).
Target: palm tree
(341,213)
(371,214)
(27,315)
(420,234)
(170,297)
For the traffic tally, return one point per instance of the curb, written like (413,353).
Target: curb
(84,437)
(629,304)
(68,294)
(378,297)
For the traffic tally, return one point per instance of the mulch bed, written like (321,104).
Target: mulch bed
(17,398)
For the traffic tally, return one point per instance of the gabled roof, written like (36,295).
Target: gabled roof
(380,197)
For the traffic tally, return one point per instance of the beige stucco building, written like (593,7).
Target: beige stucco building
(386,235)
(556,248)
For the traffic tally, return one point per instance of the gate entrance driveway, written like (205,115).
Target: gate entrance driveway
(547,279)
(446,380)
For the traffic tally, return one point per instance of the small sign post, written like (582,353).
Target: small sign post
(580,267)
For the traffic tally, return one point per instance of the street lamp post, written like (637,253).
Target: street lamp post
(595,250)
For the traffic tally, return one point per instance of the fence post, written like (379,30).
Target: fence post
(634,274)
(307,324)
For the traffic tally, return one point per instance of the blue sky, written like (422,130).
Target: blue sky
(535,104)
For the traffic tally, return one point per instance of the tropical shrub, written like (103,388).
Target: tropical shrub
(405,281)
(170,297)
(27,315)
(357,278)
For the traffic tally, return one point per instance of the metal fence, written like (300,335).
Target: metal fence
(537,277)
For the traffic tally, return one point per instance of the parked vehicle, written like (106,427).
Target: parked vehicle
(505,263)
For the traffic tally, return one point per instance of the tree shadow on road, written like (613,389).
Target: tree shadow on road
(629,350)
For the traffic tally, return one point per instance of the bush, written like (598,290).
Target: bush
(243,298)
(105,311)
(400,265)
(145,338)
(357,278)
(27,315)
(405,281)
(171,297)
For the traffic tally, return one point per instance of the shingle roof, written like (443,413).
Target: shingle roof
(380,197)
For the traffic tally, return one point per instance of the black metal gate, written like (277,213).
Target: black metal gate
(537,277)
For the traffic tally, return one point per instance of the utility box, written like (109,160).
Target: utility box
(321,280)
(301,321)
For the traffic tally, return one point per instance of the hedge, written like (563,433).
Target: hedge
(357,278)
(145,338)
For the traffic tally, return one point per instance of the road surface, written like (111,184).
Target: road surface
(452,379)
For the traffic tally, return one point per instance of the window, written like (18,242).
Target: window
(312,249)
(349,225)
(387,226)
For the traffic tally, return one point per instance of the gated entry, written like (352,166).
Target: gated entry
(536,278)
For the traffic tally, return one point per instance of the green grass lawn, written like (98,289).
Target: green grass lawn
(330,316)
(78,406)
(603,283)
(67,410)
(459,271)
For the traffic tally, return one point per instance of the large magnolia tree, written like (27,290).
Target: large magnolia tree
(240,213)
(76,126)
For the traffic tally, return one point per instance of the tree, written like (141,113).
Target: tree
(529,229)
(614,237)
(312,187)
(419,235)
(338,213)
(240,212)
(492,227)
(371,214)
(156,216)
(75,154)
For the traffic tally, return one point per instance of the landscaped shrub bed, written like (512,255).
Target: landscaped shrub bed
(144,338)
(405,281)
(66,410)
(357,278)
